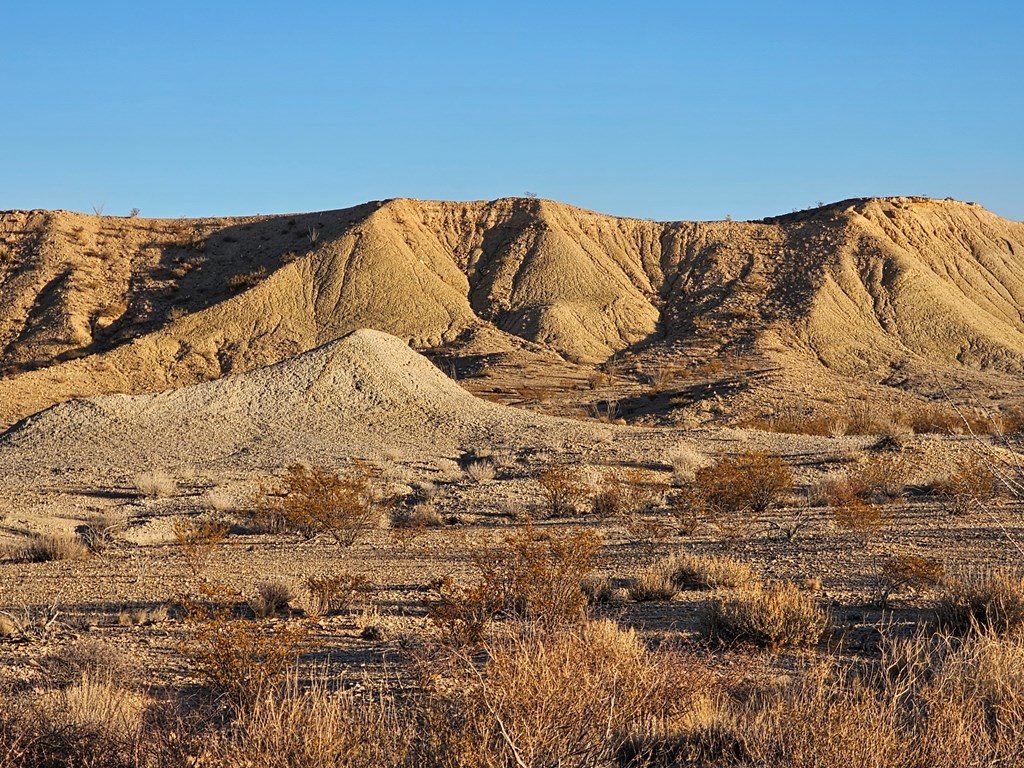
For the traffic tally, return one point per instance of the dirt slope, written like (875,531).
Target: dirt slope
(365,394)
(92,305)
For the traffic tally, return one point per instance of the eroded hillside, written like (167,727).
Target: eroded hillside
(859,291)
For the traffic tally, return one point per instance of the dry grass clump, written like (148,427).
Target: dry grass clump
(571,698)
(99,532)
(272,598)
(156,484)
(776,616)
(93,722)
(989,601)
(313,726)
(652,585)
(685,460)
(563,489)
(219,500)
(44,547)
(481,471)
(331,593)
(314,501)
(422,515)
(708,572)
(927,702)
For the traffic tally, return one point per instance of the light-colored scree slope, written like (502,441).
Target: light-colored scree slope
(365,394)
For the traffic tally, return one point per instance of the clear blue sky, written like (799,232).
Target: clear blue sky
(666,110)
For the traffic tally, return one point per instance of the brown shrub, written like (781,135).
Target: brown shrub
(751,482)
(535,575)
(879,479)
(463,613)
(863,519)
(314,501)
(563,489)
(199,540)
(331,593)
(238,659)
(903,571)
(970,484)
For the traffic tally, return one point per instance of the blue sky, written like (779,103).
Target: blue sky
(666,110)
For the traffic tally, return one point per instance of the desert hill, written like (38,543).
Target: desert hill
(857,291)
(360,395)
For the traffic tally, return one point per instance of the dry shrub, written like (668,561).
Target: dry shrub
(248,280)
(632,492)
(935,418)
(794,423)
(832,490)
(272,598)
(93,723)
(650,531)
(535,575)
(989,601)
(879,479)
(563,489)
(749,483)
(199,540)
(926,702)
(970,484)
(776,616)
(572,698)
(463,613)
(44,547)
(598,590)
(238,659)
(708,572)
(99,532)
(865,520)
(90,657)
(541,572)
(609,498)
(311,727)
(331,593)
(156,484)
(314,501)
(905,571)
